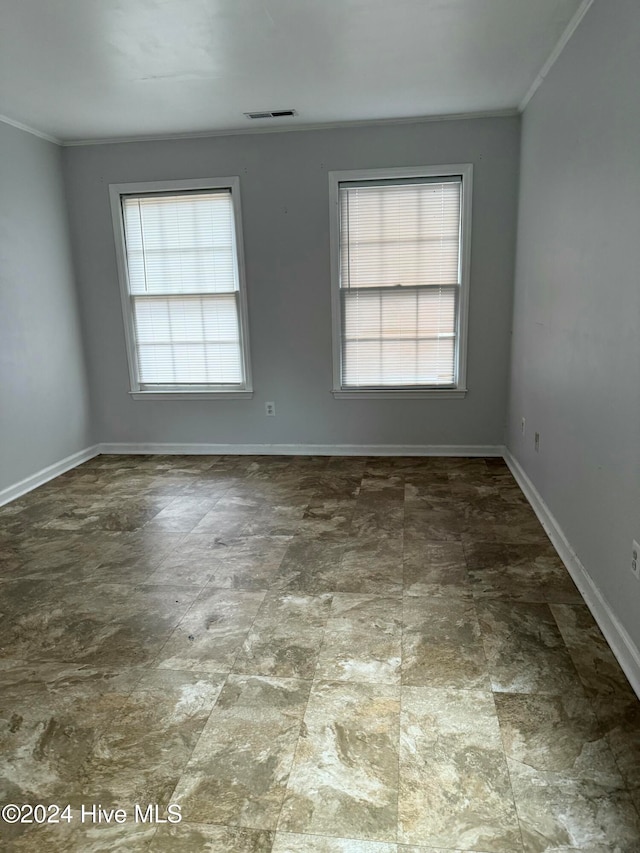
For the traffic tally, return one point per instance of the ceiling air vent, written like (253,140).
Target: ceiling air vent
(272,114)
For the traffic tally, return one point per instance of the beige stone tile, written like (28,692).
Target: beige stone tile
(249,562)
(525,651)
(327,518)
(362,640)
(51,717)
(277,518)
(559,813)
(312,566)
(494,519)
(143,751)
(345,776)
(385,485)
(454,784)
(286,636)
(190,838)
(437,523)
(556,734)
(430,565)
(210,636)
(96,623)
(286,842)
(377,517)
(599,670)
(192,563)
(245,562)
(127,555)
(442,645)
(371,564)
(238,771)
(525,572)
(229,516)
(78,837)
(182,514)
(619,719)
(567,786)
(411,848)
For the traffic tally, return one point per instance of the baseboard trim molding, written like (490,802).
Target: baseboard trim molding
(615,633)
(304,449)
(46,474)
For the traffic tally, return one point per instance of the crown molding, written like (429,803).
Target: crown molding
(28,129)
(569,30)
(250,131)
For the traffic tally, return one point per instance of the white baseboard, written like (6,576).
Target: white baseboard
(307,449)
(46,474)
(615,633)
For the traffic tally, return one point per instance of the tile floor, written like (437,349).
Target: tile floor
(308,655)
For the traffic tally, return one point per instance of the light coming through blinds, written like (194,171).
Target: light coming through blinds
(399,282)
(183,286)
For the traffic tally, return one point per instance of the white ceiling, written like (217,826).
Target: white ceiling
(88,69)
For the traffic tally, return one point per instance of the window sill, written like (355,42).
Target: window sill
(191,395)
(400,394)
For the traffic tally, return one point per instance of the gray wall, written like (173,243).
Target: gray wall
(576,353)
(284,188)
(44,412)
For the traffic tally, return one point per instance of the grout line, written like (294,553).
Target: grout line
(493,699)
(306,705)
(506,762)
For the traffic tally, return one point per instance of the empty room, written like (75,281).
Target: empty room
(320,426)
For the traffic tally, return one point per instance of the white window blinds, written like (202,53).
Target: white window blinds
(184,289)
(399,282)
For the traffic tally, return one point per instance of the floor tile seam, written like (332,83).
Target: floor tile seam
(111,724)
(171,552)
(166,557)
(482,638)
(607,736)
(508,769)
(292,763)
(569,651)
(314,682)
(402,637)
(327,834)
(144,670)
(454,688)
(399,846)
(173,630)
(322,642)
(185,766)
(630,788)
(241,644)
(496,596)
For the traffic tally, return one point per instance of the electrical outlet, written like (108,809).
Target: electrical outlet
(523,424)
(536,442)
(270,409)
(635,559)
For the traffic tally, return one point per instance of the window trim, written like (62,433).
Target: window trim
(458,390)
(201,392)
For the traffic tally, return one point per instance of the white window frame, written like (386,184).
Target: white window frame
(203,392)
(459,388)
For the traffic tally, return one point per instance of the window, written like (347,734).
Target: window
(179,247)
(400,252)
